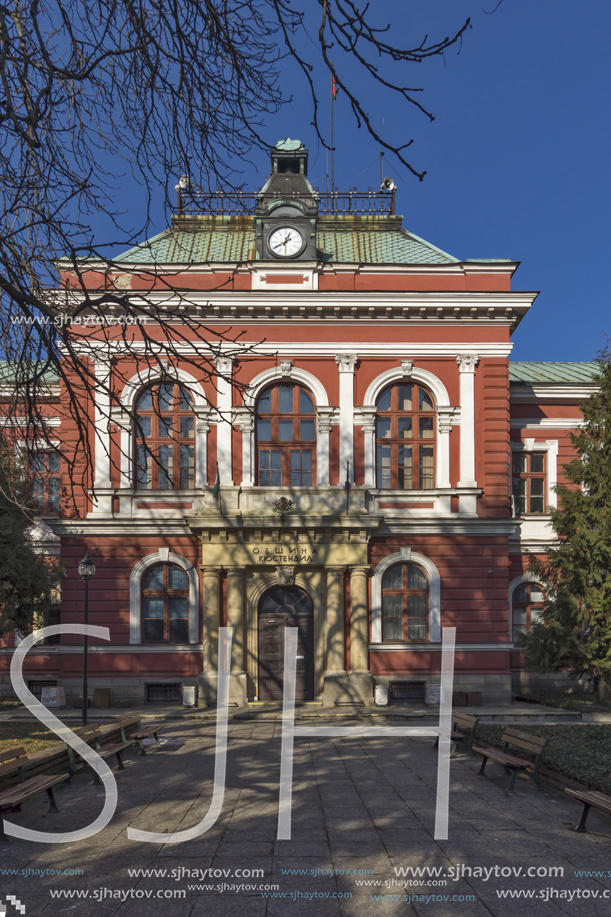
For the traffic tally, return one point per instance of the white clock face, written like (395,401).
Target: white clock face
(285,242)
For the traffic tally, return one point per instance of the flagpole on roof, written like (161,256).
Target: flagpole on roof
(333,94)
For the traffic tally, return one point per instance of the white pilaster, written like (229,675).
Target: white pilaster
(244,418)
(224,367)
(365,417)
(101,396)
(202,428)
(466,367)
(445,419)
(323,418)
(346,363)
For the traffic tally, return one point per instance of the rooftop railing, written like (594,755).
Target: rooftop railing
(197,202)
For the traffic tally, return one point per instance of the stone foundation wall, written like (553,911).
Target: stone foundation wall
(123,691)
(495,689)
(537,683)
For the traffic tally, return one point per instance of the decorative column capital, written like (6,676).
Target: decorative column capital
(324,417)
(211,572)
(360,571)
(244,418)
(335,572)
(237,572)
(447,416)
(224,365)
(346,362)
(467,362)
(365,417)
(121,417)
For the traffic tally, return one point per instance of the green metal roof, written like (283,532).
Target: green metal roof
(175,246)
(556,373)
(19,373)
(383,247)
(228,244)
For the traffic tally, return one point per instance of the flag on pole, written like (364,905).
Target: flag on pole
(216,490)
(333,89)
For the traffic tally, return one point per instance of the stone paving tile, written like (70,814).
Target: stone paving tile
(222,907)
(356,805)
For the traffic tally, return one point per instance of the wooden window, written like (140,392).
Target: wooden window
(529,482)
(165,438)
(44,476)
(526,607)
(405,604)
(405,438)
(165,605)
(286,437)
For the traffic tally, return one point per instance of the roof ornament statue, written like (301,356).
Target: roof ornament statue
(289,146)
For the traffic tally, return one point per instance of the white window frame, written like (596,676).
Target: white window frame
(406,555)
(525,578)
(446,417)
(287,373)
(201,410)
(550,448)
(162,556)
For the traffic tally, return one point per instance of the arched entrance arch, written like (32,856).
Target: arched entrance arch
(280,607)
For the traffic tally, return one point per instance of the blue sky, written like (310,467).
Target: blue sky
(517,158)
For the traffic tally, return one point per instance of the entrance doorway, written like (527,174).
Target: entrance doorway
(281,607)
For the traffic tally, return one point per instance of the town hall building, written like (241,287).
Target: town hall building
(365,464)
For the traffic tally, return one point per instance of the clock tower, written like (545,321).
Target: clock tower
(287,208)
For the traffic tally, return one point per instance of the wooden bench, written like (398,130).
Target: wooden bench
(102,740)
(463,730)
(591,799)
(512,764)
(138,736)
(16,760)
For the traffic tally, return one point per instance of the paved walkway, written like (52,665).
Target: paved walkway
(363,811)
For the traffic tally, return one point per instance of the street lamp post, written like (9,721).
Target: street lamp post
(86,570)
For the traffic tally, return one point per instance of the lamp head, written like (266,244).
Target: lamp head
(86,568)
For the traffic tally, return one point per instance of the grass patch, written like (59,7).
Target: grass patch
(582,752)
(32,736)
(10,703)
(586,702)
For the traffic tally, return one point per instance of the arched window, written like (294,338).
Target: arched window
(165,438)
(286,437)
(405,438)
(405,600)
(527,604)
(165,605)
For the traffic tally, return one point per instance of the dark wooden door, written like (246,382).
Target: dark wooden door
(282,607)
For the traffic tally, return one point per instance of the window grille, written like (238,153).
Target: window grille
(407,690)
(163,694)
(36,687)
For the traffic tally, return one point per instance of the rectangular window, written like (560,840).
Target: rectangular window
(427,468)
(405,467)
(301,468)
(44,470)
(384,467)
(187,467)
(528,482)
(392,617)
(270,467)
